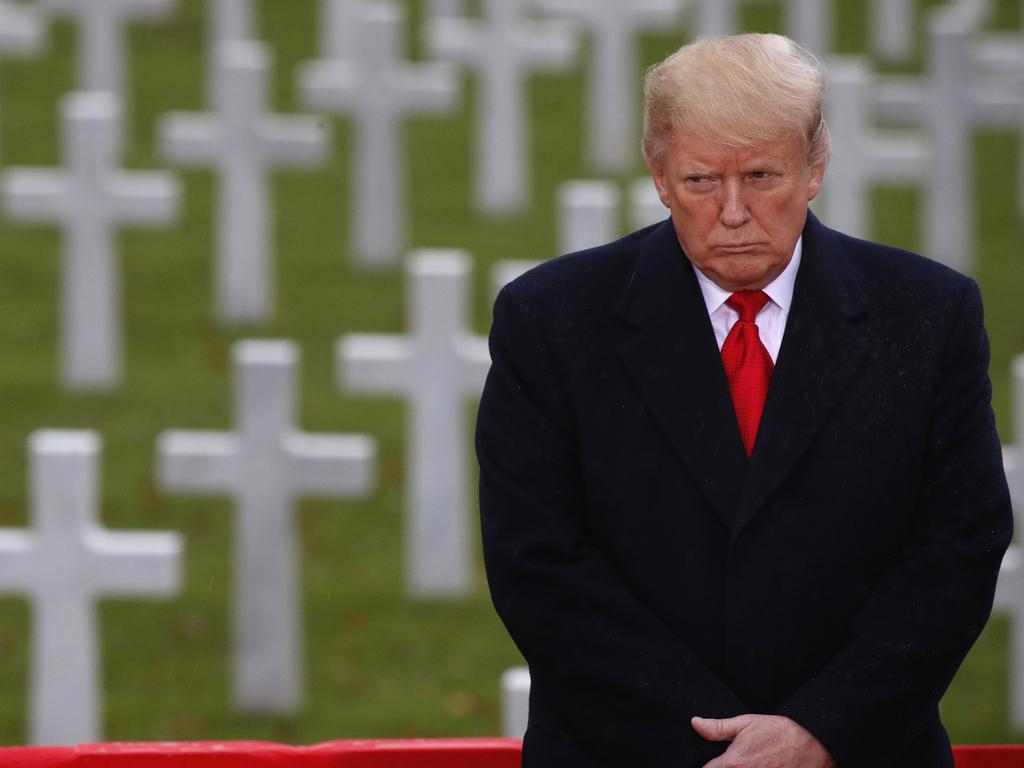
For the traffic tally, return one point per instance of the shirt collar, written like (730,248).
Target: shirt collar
(779,290)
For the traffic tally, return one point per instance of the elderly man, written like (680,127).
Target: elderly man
(741,490)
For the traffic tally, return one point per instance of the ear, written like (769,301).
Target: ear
(814,182)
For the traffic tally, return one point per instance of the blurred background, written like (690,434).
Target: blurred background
(377,663)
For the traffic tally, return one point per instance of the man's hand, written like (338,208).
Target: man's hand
(763,741)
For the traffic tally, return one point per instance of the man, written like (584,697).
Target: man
(741,491)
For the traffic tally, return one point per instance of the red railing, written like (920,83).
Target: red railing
(414,753)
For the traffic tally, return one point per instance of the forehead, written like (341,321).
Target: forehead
(690,151)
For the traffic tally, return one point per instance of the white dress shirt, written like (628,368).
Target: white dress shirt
(771,320)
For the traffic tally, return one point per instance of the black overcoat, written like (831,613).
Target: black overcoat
(649,572)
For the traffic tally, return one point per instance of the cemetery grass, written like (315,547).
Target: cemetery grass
(376,664)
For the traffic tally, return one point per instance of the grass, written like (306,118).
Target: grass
(376,664)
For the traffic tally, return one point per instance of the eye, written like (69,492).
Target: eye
(760,175)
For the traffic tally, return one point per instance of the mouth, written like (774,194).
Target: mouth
(739,247)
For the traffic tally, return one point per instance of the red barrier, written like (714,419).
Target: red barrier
(414,753)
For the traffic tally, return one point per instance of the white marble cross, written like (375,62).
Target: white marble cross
(437,367)
(376,89)
(614,73)
(515,702)
(892,29)
(950,101)
(861,155)
(502,47)
(714,17)
(228,21)
(242,142)
(63,564)
(88,200)
(810,23)
(446,8)
(101,64)
(264,465)
(1010,588)
(588,214)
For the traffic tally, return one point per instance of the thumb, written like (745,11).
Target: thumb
(718,730)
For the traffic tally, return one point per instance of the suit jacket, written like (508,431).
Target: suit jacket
(649,572)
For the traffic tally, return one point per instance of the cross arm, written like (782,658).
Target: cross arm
(898,159)
(145,198)
(147,10)
(331,465)
(475,359)
(296,141)
(455,39)
(330,85)
(194,140)
(136,562)
(35,195)
(427,88)
(374,363)
(548,44)
(21,30)
(197,461)
(17,556)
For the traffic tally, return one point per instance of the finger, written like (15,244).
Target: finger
(717,730)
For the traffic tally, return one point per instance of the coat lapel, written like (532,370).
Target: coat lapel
(674,360)
(821,349)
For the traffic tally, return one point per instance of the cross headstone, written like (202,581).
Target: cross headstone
(892,29)
(242,141)
(63,564)
(376,90)
(860,154)
(264,465)
(88,199)
(502,47)
(446,8)
(810,23)
(436,368)
(951,100)
(515,702)
(588,214)
(714,18)
(645,206)
(101,64)
(22,32)
(1010,587)
(611,83)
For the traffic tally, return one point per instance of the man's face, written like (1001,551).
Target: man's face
(737,212)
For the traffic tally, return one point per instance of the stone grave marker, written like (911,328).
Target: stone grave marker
(588,214)
(264,465)
(376,90)
(228,21)
(63,564)
(950,101)
(515,702)
(502,48)
(242,142)
(22,32)
(88,199)
(446,8)
(861,155)
(101,65)
(612,110)
(892,29)
(436,368)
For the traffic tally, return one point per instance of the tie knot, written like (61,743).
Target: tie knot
(748,304)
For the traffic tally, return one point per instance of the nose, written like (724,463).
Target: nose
(734,207)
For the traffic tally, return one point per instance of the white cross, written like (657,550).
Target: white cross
(63,564)
(436,368)
(892,29)
(264,465)
(242,141)
(612,81)
(1010,588)
(502,47)
(860,155)
(376,90)
(588,214)
(810,23)
(446,8)
(88,201)
(951,100)
(100,46)
(715,17)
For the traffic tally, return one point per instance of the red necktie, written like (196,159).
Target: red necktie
(748,366)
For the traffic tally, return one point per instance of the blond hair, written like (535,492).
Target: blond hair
(740,91)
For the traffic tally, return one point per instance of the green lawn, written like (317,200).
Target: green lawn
(377,665)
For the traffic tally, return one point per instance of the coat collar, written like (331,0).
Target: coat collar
(676,364)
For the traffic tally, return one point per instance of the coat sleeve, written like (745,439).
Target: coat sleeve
(606,672)
(921,619)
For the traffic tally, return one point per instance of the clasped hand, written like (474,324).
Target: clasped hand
(763,741)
